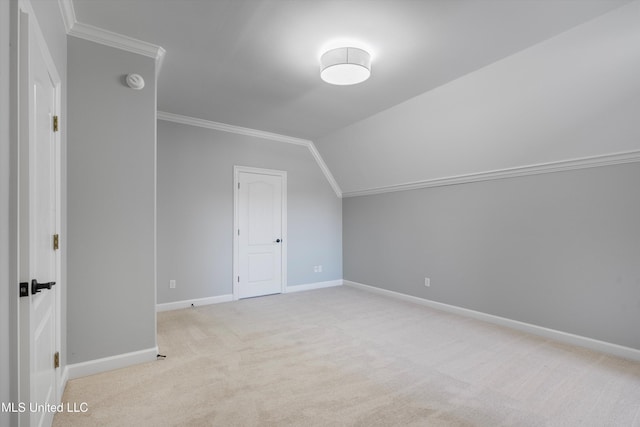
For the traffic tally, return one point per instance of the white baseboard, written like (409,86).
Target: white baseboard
(97,366)
(564,337)
(176,305)
(316,285)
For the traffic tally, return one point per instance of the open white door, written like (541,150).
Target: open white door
(260,228)
(39,189)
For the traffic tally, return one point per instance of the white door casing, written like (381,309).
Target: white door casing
(39,220)
(259,232)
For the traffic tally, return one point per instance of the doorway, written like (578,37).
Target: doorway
(40,379)
(260,241)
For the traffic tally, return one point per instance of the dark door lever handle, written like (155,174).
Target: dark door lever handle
(36,287)
(278,240)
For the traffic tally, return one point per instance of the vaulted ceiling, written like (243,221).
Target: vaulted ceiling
(255,64)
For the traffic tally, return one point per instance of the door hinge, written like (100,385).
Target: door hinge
(56,360)
(55,123)
(56,242)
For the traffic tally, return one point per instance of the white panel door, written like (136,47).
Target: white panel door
(39,187)
(259,198)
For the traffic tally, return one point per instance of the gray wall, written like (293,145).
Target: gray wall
(558,250)
(111,203)
(195,210)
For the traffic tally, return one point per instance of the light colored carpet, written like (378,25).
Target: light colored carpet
(345,357)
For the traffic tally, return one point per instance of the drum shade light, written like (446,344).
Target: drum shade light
(345,66)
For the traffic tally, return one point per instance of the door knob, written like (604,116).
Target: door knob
(278,240)
(36,287)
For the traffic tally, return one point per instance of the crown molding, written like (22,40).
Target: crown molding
(68,14)
(325,169)
(223,127)
(537,169)
(106,37)
(118,41)
(193,121)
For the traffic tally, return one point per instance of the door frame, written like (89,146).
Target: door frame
(23,137)
(236,222)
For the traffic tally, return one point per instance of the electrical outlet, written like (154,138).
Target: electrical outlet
(172,284)
(427,282)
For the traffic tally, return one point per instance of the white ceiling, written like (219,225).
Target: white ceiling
(254,63)
(568,102)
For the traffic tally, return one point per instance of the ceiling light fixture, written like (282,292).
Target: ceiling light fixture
(345,66)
